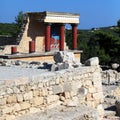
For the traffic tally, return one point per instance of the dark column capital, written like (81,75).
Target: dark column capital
(74,24)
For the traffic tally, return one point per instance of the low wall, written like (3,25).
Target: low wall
(29,95)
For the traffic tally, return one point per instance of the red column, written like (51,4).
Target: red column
(13,50)
(31,46)
(47,37)
(62,37)
(74,36)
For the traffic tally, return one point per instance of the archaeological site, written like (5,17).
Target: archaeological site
(42,79)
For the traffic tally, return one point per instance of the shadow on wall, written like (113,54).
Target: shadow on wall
(35,29)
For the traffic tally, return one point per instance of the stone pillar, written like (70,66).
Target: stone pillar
(74,36)
(47,37)
(62,37)
(31,47)
(13,50)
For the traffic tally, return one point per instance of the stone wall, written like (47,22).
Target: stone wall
(68,87)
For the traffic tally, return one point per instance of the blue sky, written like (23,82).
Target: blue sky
(93,13)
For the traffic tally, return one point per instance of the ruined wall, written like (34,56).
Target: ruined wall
(29,95)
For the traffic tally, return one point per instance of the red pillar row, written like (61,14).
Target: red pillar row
(62,37)
(74,36)
(31,47)
(47,37)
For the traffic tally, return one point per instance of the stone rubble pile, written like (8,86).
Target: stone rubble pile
(69,87)
(25,64)
(64,60)
(110,77)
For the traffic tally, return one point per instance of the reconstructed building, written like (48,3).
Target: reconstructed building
(44,32)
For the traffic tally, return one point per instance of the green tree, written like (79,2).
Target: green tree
(19,19)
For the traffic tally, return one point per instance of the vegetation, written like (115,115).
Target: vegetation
(102,42)
(12,29)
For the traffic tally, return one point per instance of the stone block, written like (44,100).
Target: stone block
(117,104)
(100,110)
(7,109)
(24,105)
(36,93)
(3,101)
(10,117)
(57,89)
(63,56)
(11,99)
(9,91)
(16,90)
(98,96)
(76,85)
(52,98)
(44,92)
(91,89)
(28,96)
(89,97)
(16,107)
(37,101)
(34,110)
(19,97)
(22,88)
(67,87)
(94,61)
(40,85)
(67,95)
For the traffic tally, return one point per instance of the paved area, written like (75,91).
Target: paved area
(15,72)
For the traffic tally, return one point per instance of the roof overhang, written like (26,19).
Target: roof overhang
(56,17)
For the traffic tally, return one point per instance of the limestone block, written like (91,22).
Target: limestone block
(54,104)
(28,96)
(67,95)
(98,96)
(16,107)
(3,101)
(37,101)
(76,85)
(22,88)
(7,109)
(63,56)
(40,85)
(57,81)
(57,89)
(73,93)
(89,97)
(100,110)
(10,117)
(9,91)
(52,98)
(44,92)
(11,99)
(24,105)
(16,90)
(67,87)
(72,103)
(88,83)
(36,93)
(19,97)
(117,103)
(34,110)
(94,61)
(91,89)
(91,104)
